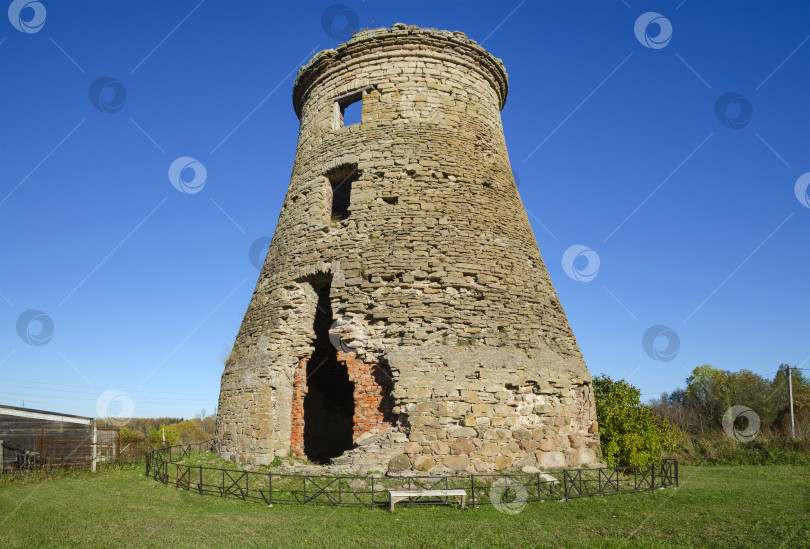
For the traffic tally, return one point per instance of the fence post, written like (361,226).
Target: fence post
(199,486)
(676,473)
(270,488)
(472,489)
(372,492)
(652,468)
(565,484)
(537,479)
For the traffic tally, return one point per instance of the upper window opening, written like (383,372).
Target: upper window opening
(353,113)
(348,108)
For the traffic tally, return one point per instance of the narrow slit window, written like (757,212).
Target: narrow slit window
(341,180)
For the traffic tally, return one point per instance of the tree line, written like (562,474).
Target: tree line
(710,392)
(689,421)
(146,433)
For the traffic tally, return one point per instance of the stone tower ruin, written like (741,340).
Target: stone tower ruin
(403,319)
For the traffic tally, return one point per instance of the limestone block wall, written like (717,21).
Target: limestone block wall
(494,409)
(434,263)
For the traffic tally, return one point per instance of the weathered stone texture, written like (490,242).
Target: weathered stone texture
(435,273)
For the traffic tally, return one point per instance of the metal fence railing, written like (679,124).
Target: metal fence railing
(165,465)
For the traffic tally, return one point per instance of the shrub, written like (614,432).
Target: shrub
(770,447)
(630,432)
(128,436)
(190,431)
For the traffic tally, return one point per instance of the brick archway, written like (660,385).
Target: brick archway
(373,403)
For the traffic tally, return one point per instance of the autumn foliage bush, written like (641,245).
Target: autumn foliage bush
(630,432)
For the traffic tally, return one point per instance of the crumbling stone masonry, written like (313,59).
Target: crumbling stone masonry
(404,320)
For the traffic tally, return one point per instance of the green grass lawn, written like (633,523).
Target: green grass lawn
(743,506)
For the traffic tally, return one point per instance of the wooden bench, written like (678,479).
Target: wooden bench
(399,495)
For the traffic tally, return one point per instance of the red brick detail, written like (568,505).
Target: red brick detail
(373,403)
(299,392)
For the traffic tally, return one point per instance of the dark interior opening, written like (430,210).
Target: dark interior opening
(342,179)
(329,402)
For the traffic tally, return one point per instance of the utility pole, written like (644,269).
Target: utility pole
(790,396)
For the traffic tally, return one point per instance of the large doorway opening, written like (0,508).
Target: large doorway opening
(329,400)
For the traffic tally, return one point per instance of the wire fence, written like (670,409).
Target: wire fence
(165,465)
(35,451)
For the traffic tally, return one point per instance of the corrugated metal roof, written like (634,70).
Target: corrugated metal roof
(42,414)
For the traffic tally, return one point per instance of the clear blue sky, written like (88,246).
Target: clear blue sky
(618,147)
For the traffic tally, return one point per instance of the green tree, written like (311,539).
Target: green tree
(170,432)
(710,392)
(749,389)
(801,389)
(801,399)
(630,432)
(707,393)
(190,431)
